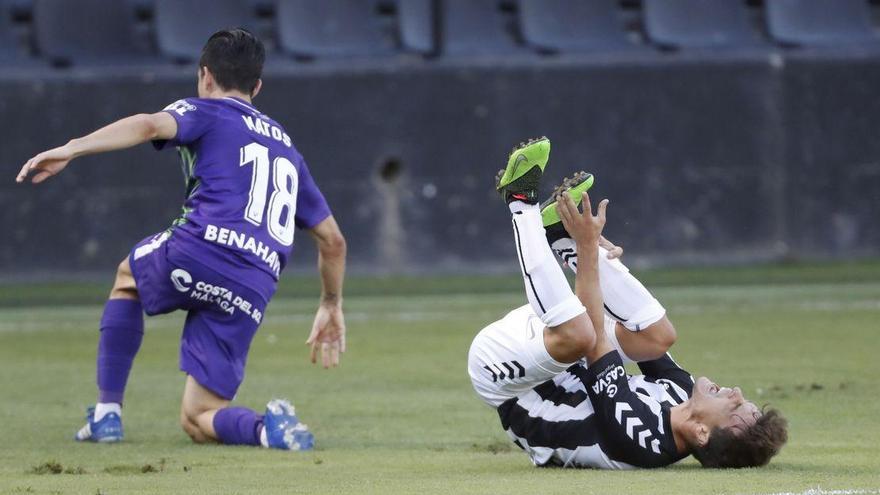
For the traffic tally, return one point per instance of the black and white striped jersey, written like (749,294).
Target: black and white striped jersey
(600,417)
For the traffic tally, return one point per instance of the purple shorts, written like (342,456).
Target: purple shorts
(222,314)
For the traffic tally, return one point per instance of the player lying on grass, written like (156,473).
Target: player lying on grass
(247,188)
(532,364)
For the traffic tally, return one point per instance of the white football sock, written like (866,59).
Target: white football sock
(104,408)
(264,440)
(626,299)
(546,286)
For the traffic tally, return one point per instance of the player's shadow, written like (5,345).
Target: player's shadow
(773,466)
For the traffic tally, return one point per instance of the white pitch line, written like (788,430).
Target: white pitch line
(821,491)
(39,324)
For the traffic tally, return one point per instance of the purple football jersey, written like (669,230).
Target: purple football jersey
(247,187)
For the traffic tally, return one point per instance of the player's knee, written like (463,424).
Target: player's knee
(124,286)
(664,334)
(571,341)
(190,428)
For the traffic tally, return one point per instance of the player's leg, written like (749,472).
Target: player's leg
(212,353)
(643,330)
(207,417)
(214,347)
(198,409)
(569,333)
(122,331)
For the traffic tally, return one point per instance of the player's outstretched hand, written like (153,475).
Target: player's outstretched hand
(584,228)
(46,164)
(328,334)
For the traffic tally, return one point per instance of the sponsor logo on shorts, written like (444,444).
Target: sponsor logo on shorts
(223,298)
(181,279)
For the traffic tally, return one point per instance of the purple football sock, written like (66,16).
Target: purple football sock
(238,426)
(122,330)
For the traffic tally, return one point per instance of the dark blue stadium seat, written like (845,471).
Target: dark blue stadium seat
(14,50)
(182,27)
(93,32)
(416,23)
(332,28)
(20,8)
(476,27)
(698,23)
(572,25)
(820,22)
(9,49)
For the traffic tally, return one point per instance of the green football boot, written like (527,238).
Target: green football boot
(575,187)
(520,180)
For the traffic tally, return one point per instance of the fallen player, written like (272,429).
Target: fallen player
(532,365)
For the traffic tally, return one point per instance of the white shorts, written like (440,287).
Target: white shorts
(509,358)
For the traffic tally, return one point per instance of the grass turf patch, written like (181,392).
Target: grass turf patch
(399,415)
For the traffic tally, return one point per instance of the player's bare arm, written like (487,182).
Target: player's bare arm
(124,133)
(328,330)
(586,231)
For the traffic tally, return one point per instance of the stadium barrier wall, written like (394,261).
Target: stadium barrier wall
(751,156)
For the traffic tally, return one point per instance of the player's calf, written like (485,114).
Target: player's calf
(648,344)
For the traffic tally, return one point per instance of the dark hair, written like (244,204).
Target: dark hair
(753,447)
(235,57)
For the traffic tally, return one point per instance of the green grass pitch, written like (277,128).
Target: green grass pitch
(399,415)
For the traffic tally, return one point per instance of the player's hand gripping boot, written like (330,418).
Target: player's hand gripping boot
(107,430)
(575,186)
(520,179)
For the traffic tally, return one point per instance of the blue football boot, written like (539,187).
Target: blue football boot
(283,429)
(108,430)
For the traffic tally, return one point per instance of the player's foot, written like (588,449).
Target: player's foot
(107,430)
(520,179)
(575,187)
(283,429)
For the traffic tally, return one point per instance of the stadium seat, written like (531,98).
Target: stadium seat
(416,25)
(332,28)
(93,32)
(20,8)
(698,23)
(9,50)
(820,22)
(476,27)
(572,25)
(183,27)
